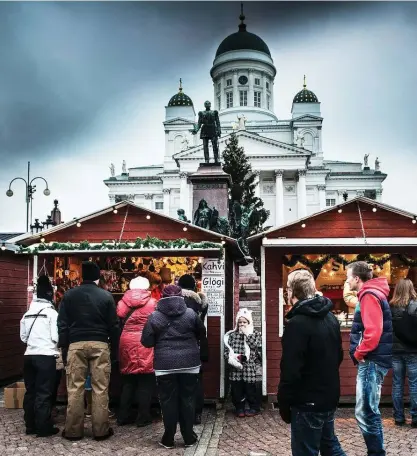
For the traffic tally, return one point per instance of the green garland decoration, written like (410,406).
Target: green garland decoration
(323,259)
(147,243)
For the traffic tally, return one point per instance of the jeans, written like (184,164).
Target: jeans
(401,364)
(199,397)
(84,357)
(312,432)
(39,376)
(177,397)
(368,394)
(139,387)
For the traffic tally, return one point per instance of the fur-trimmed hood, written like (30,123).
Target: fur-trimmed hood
(196,301)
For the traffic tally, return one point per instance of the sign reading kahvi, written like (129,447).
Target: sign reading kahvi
(213,285)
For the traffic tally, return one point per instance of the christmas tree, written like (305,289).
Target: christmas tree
(247,213)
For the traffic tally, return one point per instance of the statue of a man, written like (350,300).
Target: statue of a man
(377,164)
(299,139)
(242,122)
(209,123)
(184,143)
(203,214)
(365,160)
(124,170)
(112,170)
(182,216)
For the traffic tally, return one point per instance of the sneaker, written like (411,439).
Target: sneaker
(197,418)
(105,437)
(50,432)
(30,431)
(71,439)
(193,441)
(168,446)
(414,424)
(143,423)
(399,423)
(251,412)
(240,413)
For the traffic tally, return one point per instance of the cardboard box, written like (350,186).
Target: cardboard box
(13,395)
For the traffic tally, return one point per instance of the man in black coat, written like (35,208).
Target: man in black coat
(87,323)
(309,388)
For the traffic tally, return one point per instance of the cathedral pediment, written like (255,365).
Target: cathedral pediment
(178,121)
(254,145)
(307,117)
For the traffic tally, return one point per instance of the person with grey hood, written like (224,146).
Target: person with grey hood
(199,303)
(175,331)
(39,331)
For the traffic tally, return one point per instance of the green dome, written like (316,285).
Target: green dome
(242,40)
(305,95)
(180,98)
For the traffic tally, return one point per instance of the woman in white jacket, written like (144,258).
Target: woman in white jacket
(38,330)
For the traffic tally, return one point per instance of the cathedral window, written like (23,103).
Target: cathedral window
(330,202)
(219,87)
(218,102)
(257,99)
(257,82)
(268,102)
(229,100)
(228,82)
(243,95)
(267,85)
(159,205)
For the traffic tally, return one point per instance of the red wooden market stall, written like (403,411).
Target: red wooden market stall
(126,240)
(360,229)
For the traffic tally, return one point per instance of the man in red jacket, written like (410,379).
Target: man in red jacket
(370,349)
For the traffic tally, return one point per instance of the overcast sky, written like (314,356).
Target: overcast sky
(85,84)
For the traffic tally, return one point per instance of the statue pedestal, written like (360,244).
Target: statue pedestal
(211,183)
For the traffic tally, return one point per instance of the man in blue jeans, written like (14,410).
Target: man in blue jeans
(370,349)
(309,387)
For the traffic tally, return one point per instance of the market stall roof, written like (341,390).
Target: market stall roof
(358,222)
(117,227)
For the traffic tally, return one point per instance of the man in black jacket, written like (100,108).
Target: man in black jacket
(309,388)
(87,322)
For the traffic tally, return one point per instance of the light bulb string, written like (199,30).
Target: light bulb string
(124,222)
(360,218)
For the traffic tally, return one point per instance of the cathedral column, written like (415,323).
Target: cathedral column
(223,91)
(258,182)
(302,193)
(148,201)
(322,196)
(250,92)
(184,194)
(263,82)
(236,100)
(279,197)
(167,200)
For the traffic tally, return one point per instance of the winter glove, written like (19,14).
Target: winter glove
(285,414)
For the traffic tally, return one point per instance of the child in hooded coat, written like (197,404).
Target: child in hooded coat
(242,352)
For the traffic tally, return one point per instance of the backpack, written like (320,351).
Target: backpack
(406,328)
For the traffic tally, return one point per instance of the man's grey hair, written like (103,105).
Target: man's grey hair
(302,284)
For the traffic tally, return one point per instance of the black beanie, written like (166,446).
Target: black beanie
(90,271)
(44,288)
(187,282)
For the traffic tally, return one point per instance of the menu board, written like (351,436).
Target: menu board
(213,285)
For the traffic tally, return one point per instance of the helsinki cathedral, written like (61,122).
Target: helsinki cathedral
(295,180)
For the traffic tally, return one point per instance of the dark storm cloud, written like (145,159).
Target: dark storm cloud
(62,63)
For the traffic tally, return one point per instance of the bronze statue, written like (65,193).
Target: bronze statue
(182,216)
(209,123)
(208,218)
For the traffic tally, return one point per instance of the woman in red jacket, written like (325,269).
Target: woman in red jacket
(136,361)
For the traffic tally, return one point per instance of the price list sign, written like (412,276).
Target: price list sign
(213,285)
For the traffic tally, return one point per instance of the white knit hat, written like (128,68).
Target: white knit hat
(139,283)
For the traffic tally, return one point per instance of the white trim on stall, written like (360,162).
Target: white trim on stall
(263,309)
(281,312)
(222,333)
(325,242)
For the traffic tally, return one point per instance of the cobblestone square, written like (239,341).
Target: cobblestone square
(220,434)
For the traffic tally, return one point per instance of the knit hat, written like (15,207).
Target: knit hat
(187,282)
(139,283)
(171,290)
(247,314)
(90,271)
(44,288)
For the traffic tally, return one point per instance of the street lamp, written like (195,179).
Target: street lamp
(30,190)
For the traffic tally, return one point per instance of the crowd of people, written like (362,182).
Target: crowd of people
(383,336)
(156,335)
